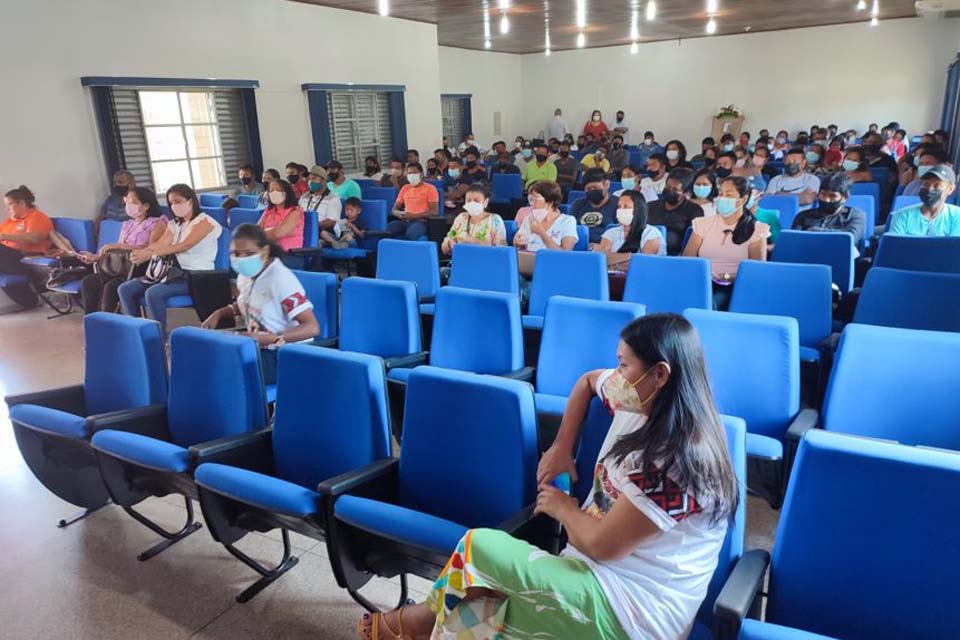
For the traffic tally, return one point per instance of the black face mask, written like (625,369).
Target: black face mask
(332,176)
(871,149)
(120,189)
(246,180)
(595,196)
(829,208)
(371,168)
(671,197)
(293,179)
(471,164)
(564,154)
(929,196)
(617,145)
(792,168)
(541,157)
(723,172)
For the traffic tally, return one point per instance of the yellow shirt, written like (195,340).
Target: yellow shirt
(590,162)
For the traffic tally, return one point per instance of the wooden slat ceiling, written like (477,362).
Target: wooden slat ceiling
(460,22)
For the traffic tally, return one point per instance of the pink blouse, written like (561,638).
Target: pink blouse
(273,216)
(725,256)
(137,234)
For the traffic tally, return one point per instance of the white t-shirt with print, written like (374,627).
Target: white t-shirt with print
(654,185)
(617,236)
(795,184)
(565,226)
(657,589)
(272,299)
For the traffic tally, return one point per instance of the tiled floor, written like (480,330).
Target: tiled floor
(85,582)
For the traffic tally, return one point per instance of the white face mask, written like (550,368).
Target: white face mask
(539,214)
(741,162)
(413,178)
(474,208)
(672,154)
(596,118)
(278,197)
(625,216)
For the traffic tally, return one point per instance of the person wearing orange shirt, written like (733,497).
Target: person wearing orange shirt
(25,232)
(417,201)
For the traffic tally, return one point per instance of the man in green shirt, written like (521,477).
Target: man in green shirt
(339,184)
(541,168)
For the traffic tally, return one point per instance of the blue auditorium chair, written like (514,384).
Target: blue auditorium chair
(240,215)
(217,213)
(868,205)
(386,194)
(268,479)
(865,548)
(910,300)
(212,200)
(249,201)
(109,233)
(415,262)
(216,391)
(78,232)
(483,269)
(868,189)
(53,428)
(220,263)
(573,195)
(565,273)
(754,366)
(912,253)
(506,187)
(511,228)
(578,336)
(381,318)
(668,284)
(468,460)
(363,183)
(787,205)
(832,248)
(583,238)
(374,214)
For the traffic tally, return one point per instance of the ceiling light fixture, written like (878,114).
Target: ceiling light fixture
(486,22)
(875,10)
(581,40)
(486,44)
(504,24)
(546,28)
(862,5)
(384,7)
(504,5)
(712,6)
(711,26)
(651,11)
(581,14)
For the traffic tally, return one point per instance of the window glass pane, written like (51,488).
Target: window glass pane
(165,143)
(159,107)
(167,174)
(202,141)
(197,107)
(208,174)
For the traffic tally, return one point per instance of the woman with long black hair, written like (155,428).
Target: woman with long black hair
(632,233)
(643,546)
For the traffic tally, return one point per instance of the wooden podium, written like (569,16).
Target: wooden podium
(727,124)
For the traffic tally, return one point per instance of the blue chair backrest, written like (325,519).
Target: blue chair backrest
(668,284)
(507,186)
(438,185)
(511,228)
(800,291)
(386,194)
(463,317)
(311,230)
(485,268)
(248,200)
(859,511)
(881,175)
(868,189)
(914,253)
(240,215)
(579,336)
(896,384)
(567,273)
(754,367)
(138,374)
(615,186)
(868,204)
(910,300)
(109,233)
(78,232)
(212,199)
(221,261)
(415,262)
(374,213)
(310,446)
(787,205)
(491,424)
(218,214)
(216,389)
(573,195)
(380,317)
(583,238)
(365,182)
(321,290)
(832,248)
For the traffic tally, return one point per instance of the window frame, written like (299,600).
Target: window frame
(466,122)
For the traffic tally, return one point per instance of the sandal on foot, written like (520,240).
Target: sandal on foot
(376,619)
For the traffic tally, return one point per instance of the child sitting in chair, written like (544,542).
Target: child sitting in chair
(348,229)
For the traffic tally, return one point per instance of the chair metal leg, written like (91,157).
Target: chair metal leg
(80,515)
(170,539)
(372,608)
(269,575)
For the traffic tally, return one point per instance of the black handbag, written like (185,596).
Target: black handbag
(163,269)
(115,264)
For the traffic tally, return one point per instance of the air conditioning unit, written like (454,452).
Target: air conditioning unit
(937,8)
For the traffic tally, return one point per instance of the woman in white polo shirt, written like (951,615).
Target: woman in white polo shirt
(271,302)
(632,234)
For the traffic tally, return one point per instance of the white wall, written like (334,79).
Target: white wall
(494,80)
(48,134)
(849,75)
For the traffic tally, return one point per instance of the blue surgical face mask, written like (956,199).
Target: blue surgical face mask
(702,190)
(916,161)
(725,206)
(813,157)
(629,183)
(728,147)
(923,169)
(751,201)
(248,266)
(454,173)
(850,165)
(526,153)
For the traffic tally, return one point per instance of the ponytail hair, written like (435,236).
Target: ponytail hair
(745,226)
(255,234)
(22,194)
(632,243)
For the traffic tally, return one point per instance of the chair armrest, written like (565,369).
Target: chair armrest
(829,344)
(68,399)
(328,343)
(304,251)
(358,478)
(737,598)
(525,374)
(147,421)
(235,450)
(407,361)
(518,519)
(807,419)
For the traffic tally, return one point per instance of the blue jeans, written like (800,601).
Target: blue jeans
(155,298)
(406,230)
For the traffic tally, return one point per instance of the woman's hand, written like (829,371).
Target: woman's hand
(139,256)
(537,229)
(554,502)
(213,320)
(556,460)
(87,257)
(265,338)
